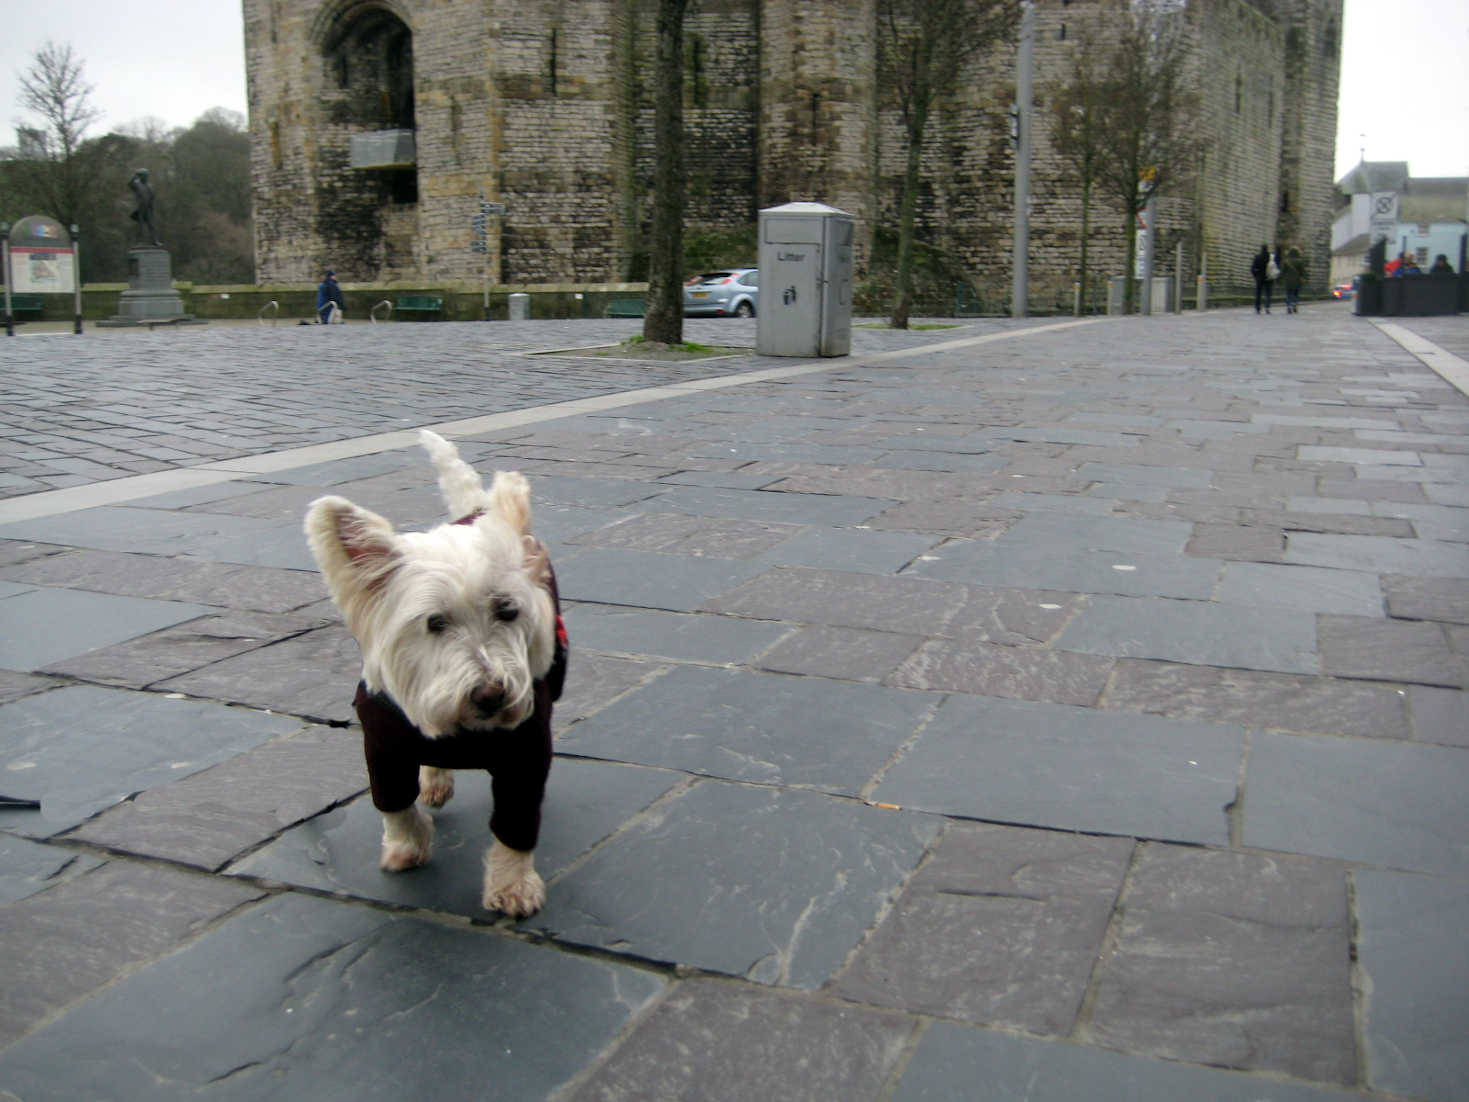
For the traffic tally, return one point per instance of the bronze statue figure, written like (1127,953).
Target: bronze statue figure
(143,215)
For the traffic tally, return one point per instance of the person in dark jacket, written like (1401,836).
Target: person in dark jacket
(1264,281)
(329,294)
(1293,275)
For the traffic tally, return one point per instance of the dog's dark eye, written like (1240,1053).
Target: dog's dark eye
(506,610)
(437,623)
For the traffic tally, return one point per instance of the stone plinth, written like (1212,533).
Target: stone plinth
(150,298)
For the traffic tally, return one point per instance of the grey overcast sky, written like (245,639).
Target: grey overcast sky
(1403,95)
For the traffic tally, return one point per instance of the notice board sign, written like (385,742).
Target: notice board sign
(42,259)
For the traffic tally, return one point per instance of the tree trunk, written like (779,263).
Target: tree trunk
(903,292)
(663,314)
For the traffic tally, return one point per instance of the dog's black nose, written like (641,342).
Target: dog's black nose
(486,700)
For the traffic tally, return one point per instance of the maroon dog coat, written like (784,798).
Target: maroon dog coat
(518,760)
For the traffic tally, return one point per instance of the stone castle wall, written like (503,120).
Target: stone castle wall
(547,105)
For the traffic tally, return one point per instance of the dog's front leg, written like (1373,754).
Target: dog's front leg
(512,885)
(408,837)
(435,786)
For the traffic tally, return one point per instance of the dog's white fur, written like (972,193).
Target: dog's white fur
(455,624)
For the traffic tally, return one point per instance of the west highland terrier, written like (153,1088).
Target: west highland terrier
(463,651)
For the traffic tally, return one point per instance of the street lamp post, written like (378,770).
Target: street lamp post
(5,271)
(1024,78)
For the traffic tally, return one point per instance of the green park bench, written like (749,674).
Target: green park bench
(419,304)
(26,304)
(625,308)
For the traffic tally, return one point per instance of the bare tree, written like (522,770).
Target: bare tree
(663,316)
(1144,117)
(922,48)
(53,88)
(1076,104)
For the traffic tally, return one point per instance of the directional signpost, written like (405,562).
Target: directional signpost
(480,241)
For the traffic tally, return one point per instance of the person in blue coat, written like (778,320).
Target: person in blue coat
(329,293)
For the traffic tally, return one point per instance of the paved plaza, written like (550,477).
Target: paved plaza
(1045,710)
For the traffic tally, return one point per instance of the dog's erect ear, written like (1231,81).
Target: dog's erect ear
(537,562)
(354,547)
(510,500)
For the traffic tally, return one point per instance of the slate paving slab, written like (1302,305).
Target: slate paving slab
(210,817)
(306,998)
(1307,588)
(100,924)
(137,663)
(82,749)
(1010,922)
(679,583)
(172,579)
(1040,764)
(1234,960)
(1195,632)
(683,637)
(599,680)
(313,674)
(1395,804)
(43,626)
(127,528)
(1022,673)
(1444,599)
(1411,943)
(1439,715)
(1250,698)
(847,654)
(725,1042)
(683,534)
(1391,650)
(337,851)
(774,885)
(767,505)
(763,728)
(1420,557)
(1052,566)
(13,685)
(952,1061)
(28,867)
(858,550)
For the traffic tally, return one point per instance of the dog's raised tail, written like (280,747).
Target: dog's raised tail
(461,485)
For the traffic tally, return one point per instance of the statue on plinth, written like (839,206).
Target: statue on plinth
(143,215)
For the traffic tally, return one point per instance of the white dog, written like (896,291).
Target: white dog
(463,652)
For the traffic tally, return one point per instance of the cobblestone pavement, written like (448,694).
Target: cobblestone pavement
(1043,710)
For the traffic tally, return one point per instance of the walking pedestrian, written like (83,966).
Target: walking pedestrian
(1293,275)
(330,305)
(1264,268)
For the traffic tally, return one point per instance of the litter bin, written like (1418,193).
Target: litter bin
(805,281)
(519,306)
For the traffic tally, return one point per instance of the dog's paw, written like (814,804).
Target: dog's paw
(408,838)
(512,885)
(519,900)
(435,786)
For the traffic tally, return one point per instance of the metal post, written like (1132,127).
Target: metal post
(5,249)
(1150,216)
(1024,79)
(76,266)
(1178,279)
(1201,294)
(1076,299)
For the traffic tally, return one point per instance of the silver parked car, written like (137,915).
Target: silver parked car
(734,292)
